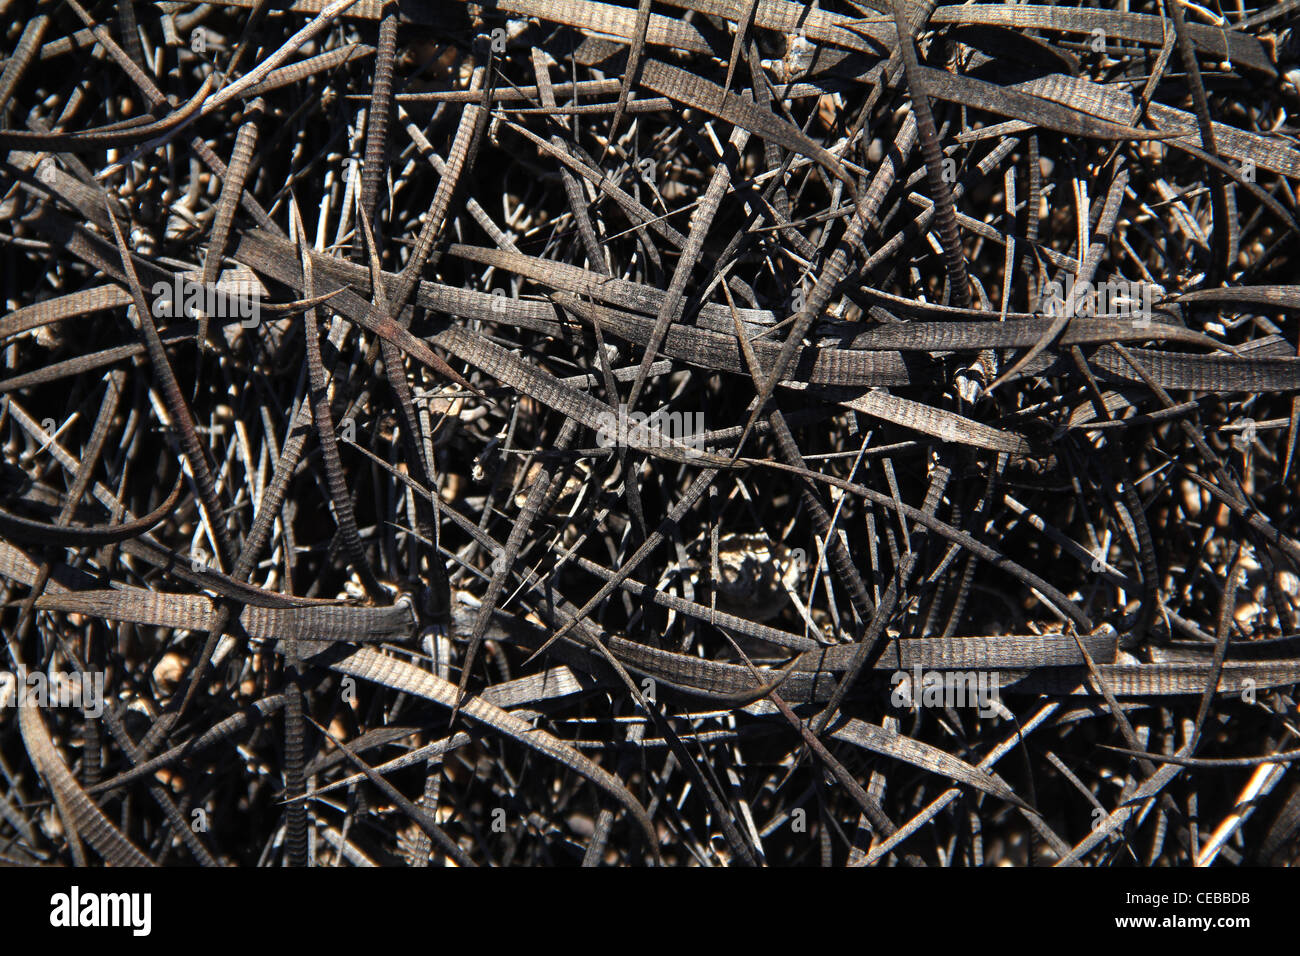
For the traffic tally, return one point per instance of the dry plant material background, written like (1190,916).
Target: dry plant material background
(367,582)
